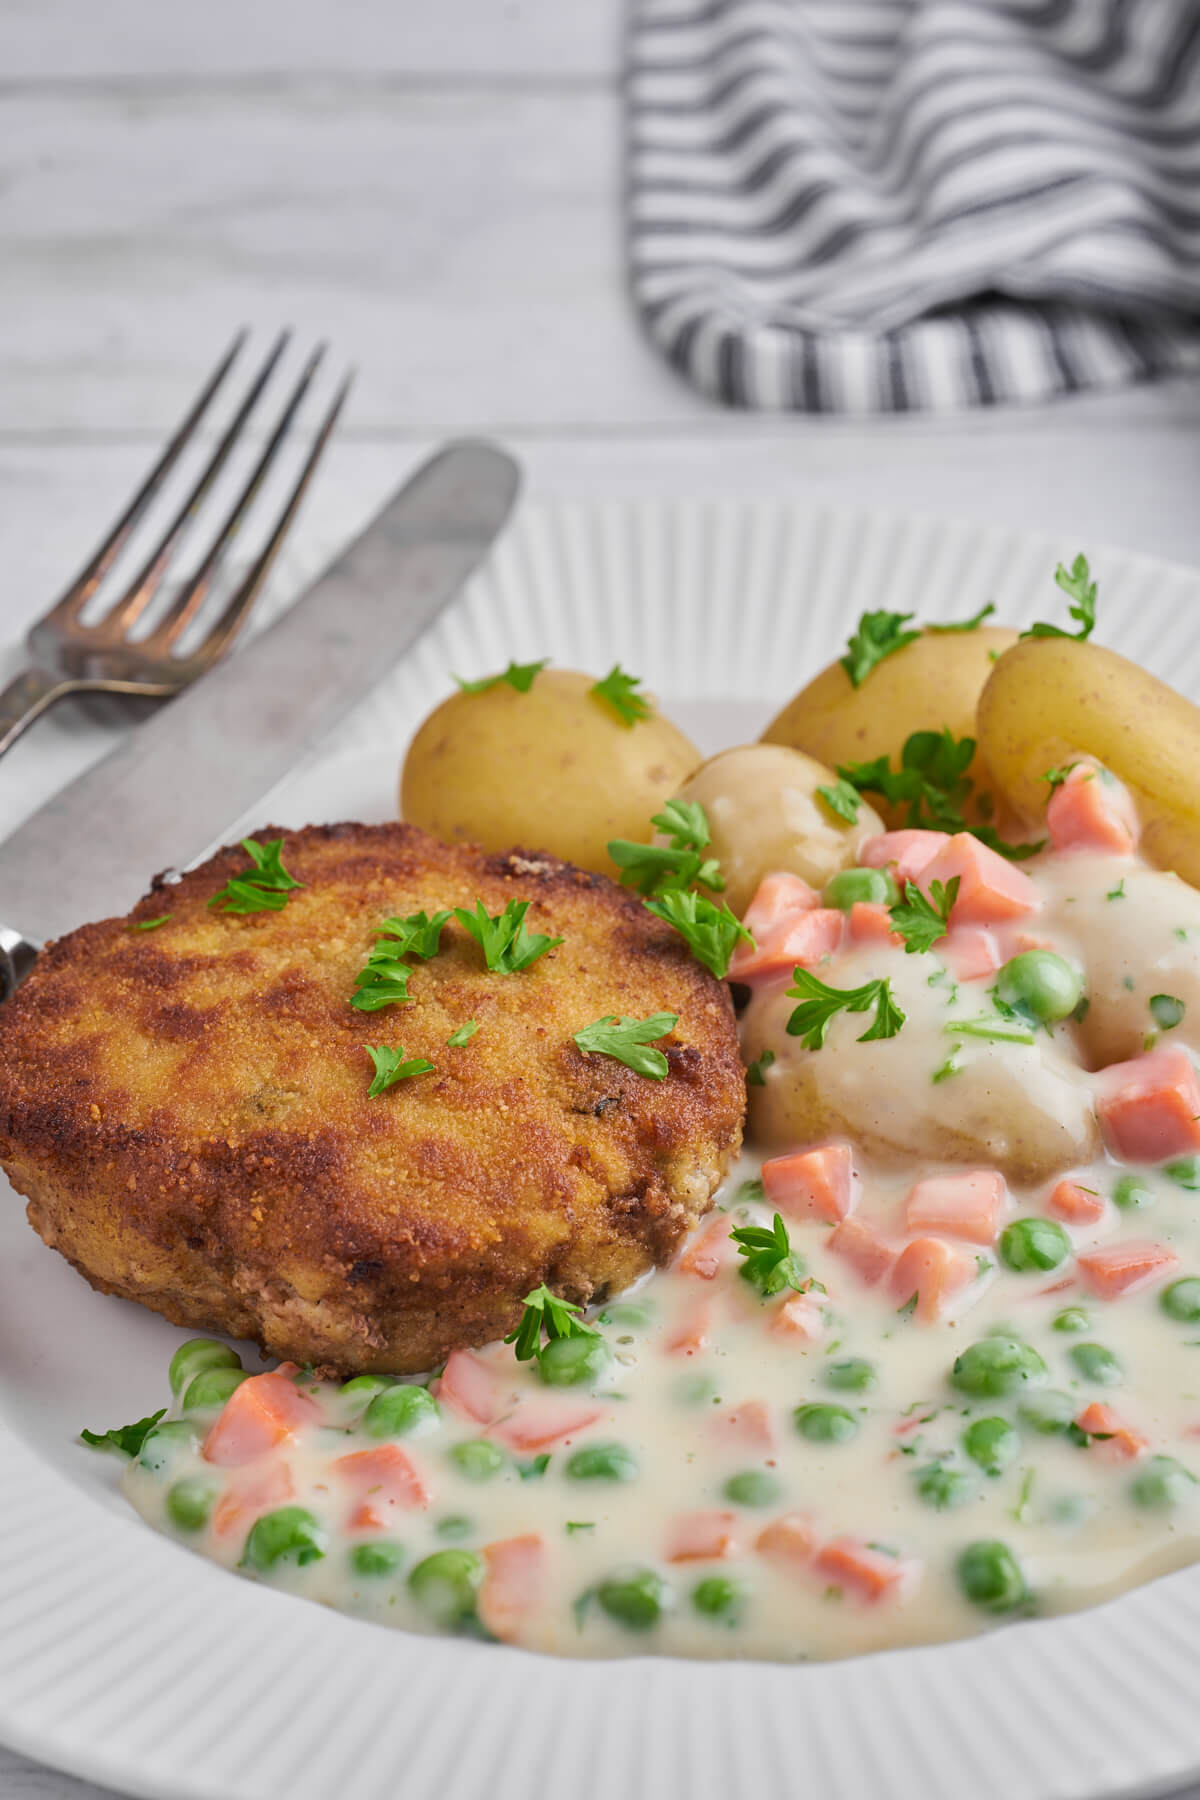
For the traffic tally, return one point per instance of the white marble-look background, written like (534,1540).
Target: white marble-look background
(434,185)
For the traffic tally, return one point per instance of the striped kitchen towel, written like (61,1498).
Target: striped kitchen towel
(865,206)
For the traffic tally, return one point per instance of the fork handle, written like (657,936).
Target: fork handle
(24,699)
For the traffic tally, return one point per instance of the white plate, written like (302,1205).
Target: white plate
(125,1659)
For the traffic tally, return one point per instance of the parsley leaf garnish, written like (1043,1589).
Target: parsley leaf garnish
(628,1040)
(128,1439)
(971,624)
(149,924)
(507,946)
(921,921)
(391,1067)
(620,691)
(417,935)
(384,979)
(771,1264)
(821,1003)
(519,676)
(658,868)
(264,891)
(461,1035)
(544,1311)
(1056,777)
(711,932)
(877,634)
(842,799)
(1076,583)
(933,783)
(756,1072)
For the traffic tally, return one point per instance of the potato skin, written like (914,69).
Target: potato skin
(555,768)
(1049,699)
(764,814)
(932,683)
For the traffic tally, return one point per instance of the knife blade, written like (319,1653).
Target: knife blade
(167,794)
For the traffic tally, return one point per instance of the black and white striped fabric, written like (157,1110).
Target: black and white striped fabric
(867,206)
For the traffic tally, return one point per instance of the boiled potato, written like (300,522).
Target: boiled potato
(1048,699)
(931,684)
(764,813)
(553,769)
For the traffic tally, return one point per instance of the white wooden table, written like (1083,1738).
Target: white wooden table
(436,188)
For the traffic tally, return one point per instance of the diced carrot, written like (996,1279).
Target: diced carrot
(863,1249)
(383,1480)
(261,1413)
(1150,1107)
(873,1574)
(963,1206)
(970,952)
(811,1184)
(247,1500)
(746,1428)
(871,923)
(989,888)
(805,938)
(708,1253)
(1122,1441)
(777,900)
(1122,1268)
(469,1388)
(511,1589)
(935,1272)
(703,1537)
(800,1316)
(690,1332)
(910,851)
(788,1539)
(1092,810)
(1075,1205)
(537,1423)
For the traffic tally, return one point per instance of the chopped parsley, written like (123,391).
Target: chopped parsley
(756,1073)
(149,924)
(1117,893)
(383,981)
(711,932)
(1080,589)
(771,1264)
(574,1525)
(545,1312)
(462,1034)
(519,676)
(1056,777)
(266,890)
(619,691)
(535,1468)
(820,1004)
(391,1067)
(128,1439)
(921,921)
(659,868)
(876,636)
(971,624)
(951,1067)
(842,799)
(932,782)
(507,946)
(992,1030)
(1167,1011)
(629,1041)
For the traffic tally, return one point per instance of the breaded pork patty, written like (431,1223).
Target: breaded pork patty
(186,1107)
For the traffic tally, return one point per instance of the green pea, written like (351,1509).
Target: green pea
(570,1362)
(161,1446)
(1181,1300)
(197,1354)
(990,1576)
(398,1410)
(1096,1363)
(1073,1510)
(992,1443)
(877,887)
(753,1487)
(823,1424)
(853,1375)
(634,1315)
(720,1597)
(382,1557)
(190,1501)
(1031,1245)
(454,1525)
(1071,1318)
(944,1488)
(1131,1192)
(1048,1412)
(289,1535)
(693,1389)
(1184,1172)
(635,1598)
(358,1393)
(1161,1483)
(444,1586)
(212,1388)
(1040,984)
(996,1367)
(477,1460)
(603,1462)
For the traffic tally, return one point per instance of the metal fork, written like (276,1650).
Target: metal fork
(70,656)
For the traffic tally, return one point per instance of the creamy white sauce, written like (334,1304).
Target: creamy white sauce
(1067,1511)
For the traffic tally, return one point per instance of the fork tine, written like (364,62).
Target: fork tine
(188,602)
(146,582)
(76,597)
(238,607)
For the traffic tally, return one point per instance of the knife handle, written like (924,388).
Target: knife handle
(17,957)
